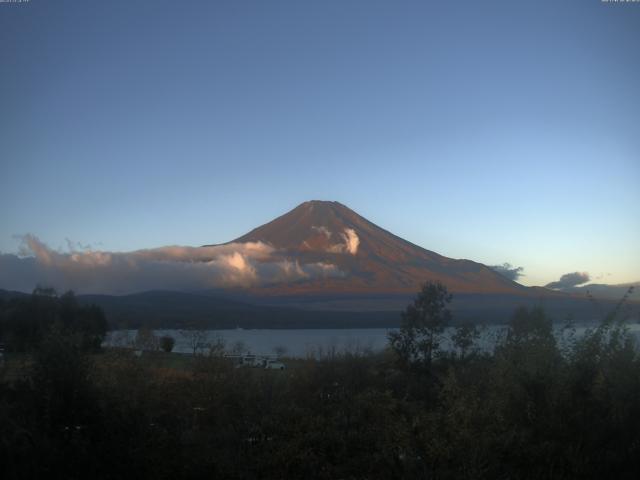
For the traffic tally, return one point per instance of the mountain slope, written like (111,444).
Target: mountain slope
(367,258)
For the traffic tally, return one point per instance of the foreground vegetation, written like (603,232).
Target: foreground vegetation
(531,408)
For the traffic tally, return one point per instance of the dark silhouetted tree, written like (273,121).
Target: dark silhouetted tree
(196,339)
(167,343)
(146,339)
(26,321)
(465,338)
(423,323)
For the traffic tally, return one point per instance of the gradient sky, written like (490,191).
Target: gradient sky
(496,131)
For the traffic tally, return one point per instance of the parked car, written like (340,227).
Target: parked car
(256,361)
(274,365)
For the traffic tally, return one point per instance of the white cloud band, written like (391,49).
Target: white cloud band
(169,268)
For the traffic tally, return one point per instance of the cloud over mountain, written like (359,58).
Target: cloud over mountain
(172,267)
(509,271)
(350,242)
(569,280)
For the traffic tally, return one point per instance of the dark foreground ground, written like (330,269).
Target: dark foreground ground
(529,410)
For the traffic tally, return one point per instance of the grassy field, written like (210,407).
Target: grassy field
(19,366)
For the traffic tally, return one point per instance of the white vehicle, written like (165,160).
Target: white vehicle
(274,365)
(257,361)
(250,360)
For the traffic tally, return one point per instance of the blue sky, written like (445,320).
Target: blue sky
(495,131)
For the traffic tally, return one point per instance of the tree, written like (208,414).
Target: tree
(146,339)
(26,321)
(280,350)
(238,347)
(196,339)
(530,327)
(60,374)
(216,348)
(167,342)
(423,323)
(464,338)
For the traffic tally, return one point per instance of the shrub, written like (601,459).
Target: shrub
(167,343)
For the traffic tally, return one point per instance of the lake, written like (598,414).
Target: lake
(302,343)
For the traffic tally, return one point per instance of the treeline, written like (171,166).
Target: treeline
(27,321)
(531,408)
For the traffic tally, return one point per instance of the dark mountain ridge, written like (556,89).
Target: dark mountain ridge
(167,309)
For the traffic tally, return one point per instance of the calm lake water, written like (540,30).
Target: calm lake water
(310,342)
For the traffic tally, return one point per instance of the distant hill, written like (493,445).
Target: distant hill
(165,309)
(162,309)
(604,291)
(8,294)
